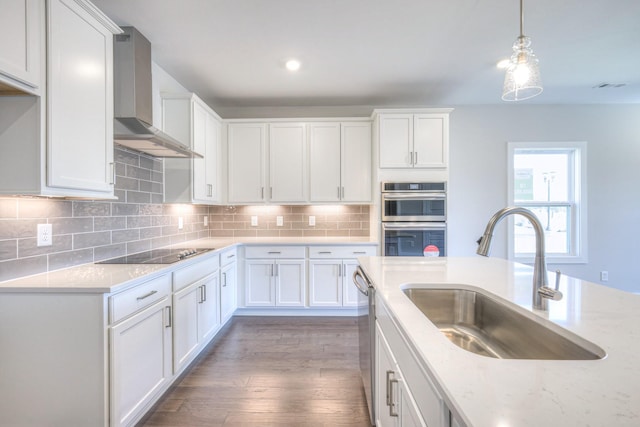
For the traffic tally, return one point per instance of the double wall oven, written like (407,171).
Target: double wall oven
(414,218)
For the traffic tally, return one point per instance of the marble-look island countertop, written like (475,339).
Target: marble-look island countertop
(109,278)
(488,392)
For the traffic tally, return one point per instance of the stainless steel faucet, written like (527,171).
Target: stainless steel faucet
(541,290)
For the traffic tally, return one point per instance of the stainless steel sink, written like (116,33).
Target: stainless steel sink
(480,324)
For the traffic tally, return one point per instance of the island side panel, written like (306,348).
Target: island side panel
(53,359)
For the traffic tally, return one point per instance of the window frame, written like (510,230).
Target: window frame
(577,200)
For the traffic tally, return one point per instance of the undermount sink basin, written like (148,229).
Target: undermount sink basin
(480,324)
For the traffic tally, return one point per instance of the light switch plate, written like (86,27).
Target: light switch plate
(279,221)
(180,223)
(206,221)
(45,235)
(312,220)
(254,220)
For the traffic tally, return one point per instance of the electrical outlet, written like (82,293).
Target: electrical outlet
(279,221)
(254,220)
(206,221)
(180,223)
(604,276)
(312,220)
(45,235)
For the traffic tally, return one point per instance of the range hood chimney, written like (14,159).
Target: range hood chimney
(133,100)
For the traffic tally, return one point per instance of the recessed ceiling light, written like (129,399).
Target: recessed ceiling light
(293,65)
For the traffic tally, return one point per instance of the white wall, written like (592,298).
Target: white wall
(478,179)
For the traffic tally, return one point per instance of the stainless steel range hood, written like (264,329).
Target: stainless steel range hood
(133,100)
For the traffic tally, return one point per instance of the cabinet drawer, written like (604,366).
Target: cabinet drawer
(275,251)
(341,251)
(194,272)
(421,387)
(228,256)
(128,302)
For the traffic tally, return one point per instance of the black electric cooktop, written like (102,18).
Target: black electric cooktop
(157,256)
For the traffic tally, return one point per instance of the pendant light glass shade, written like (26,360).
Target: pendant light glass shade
(522,79)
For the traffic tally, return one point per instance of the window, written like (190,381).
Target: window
(550,180)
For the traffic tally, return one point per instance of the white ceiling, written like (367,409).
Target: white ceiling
(386,53)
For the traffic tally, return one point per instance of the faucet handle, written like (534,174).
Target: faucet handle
(549,293)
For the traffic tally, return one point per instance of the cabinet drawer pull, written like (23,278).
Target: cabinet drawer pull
(224,280)
(274,252)
(325,252)
(415,158)
(359,252)
(146,295)
(231,256)
(204,293)
(167,310)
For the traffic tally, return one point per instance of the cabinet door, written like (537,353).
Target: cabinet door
(409,413)
(228,291)
(206,135)
(212,159)
(429,141)
(324,162)
(287,162)
(185,329)
(200,144)
(208,308)
(387,414)
(80,101)
(259,285)
(140,364)
(356,162)
(349,290)
(246,162)
(20,40)
(325,283)
(290,282)
(396,140)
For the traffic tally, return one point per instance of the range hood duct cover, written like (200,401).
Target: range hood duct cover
(133,103)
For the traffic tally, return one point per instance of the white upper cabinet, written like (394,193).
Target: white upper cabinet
(21,36)
(188,119)
(414,139)
(340,162)
(59,141)
(246,148)
(355,156)
(324,162)
(80,98)
(287,162)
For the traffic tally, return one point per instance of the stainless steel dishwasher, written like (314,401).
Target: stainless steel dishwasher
(366,336)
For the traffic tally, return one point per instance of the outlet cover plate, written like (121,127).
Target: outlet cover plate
(45,235)
(279,221)
(254,220)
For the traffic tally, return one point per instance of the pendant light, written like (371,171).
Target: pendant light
(522,80)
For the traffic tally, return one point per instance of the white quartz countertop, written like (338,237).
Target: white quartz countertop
(109,278)
(488,392)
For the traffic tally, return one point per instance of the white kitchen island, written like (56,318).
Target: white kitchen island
(487,392)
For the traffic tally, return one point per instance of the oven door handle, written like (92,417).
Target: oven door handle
(362,287)
(413,196)
(413,225)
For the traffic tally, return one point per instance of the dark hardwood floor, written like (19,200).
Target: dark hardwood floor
(271,371)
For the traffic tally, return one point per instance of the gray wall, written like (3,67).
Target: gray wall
(478,179)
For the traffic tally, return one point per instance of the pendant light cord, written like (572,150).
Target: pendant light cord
(521,19)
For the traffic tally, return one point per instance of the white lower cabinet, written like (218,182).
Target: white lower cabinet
(406,396)
(228,284)
(196,309)
(330,275)
(275,276)
(196,319)
(140,357)
(395,406)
